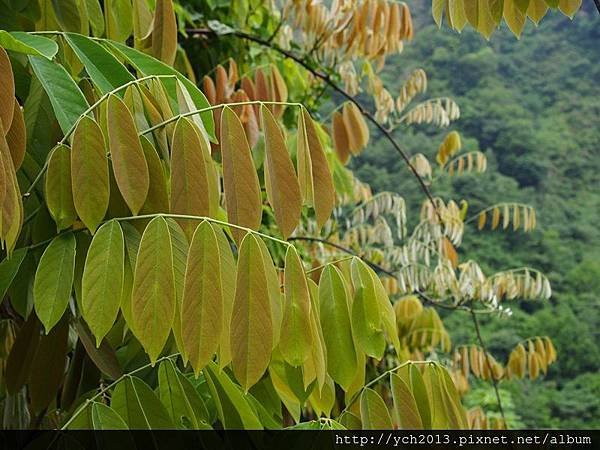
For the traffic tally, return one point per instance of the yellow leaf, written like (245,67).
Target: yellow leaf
(153,297)
(335,323)
(251,325)
(242,191)
(514,17)
(374,413)
(283,190)
(569,7)
(340,138)
(295,341)
(202,308)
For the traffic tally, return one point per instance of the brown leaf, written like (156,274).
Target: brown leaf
(283,190)
(128,161)
(7,91)
(242,190)
(164,34)
(16,137)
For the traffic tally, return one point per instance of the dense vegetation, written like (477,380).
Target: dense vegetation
(185,242)
(532,106)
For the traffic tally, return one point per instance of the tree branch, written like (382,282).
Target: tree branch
(489,364)
(331,83)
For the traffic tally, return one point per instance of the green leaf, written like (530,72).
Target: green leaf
(228,276)
(104,356)
(153,297)
(18,363)
(148,65)
(175,396)
(411,376)
(251,323)
(374,413)
(119,19)
(233,409)
(9,268)
(405,405)
(157,200)
(129,163)
(67,100)
(89,173)
(70,16)
(103,279)
(54,280)
(370,340)
(295,341)
(106,418)
(59,195)
(335,323)
(180,246)
(48,366)
(30,44)
(139,407)
(96,17)
(202,308)
(104,69)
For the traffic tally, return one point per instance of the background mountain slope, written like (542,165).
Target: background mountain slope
(533,105)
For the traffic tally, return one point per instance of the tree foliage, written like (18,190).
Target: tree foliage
(216,260)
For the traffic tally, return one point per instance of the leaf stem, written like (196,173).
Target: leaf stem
(208,219)
(114,383)
(85,113)
(212,108)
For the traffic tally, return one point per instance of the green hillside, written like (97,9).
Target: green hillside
(533,106)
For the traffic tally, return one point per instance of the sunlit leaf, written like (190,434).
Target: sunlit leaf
(19,41)
(295,340)
(153,297)
(202,308)
(251,323)
(335,323)
(374,413)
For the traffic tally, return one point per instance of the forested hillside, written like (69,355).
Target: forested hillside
(532,105)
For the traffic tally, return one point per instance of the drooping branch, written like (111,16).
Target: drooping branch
(331,83)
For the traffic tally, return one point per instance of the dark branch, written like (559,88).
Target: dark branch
(489,364)
(376,267)
(330,82)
